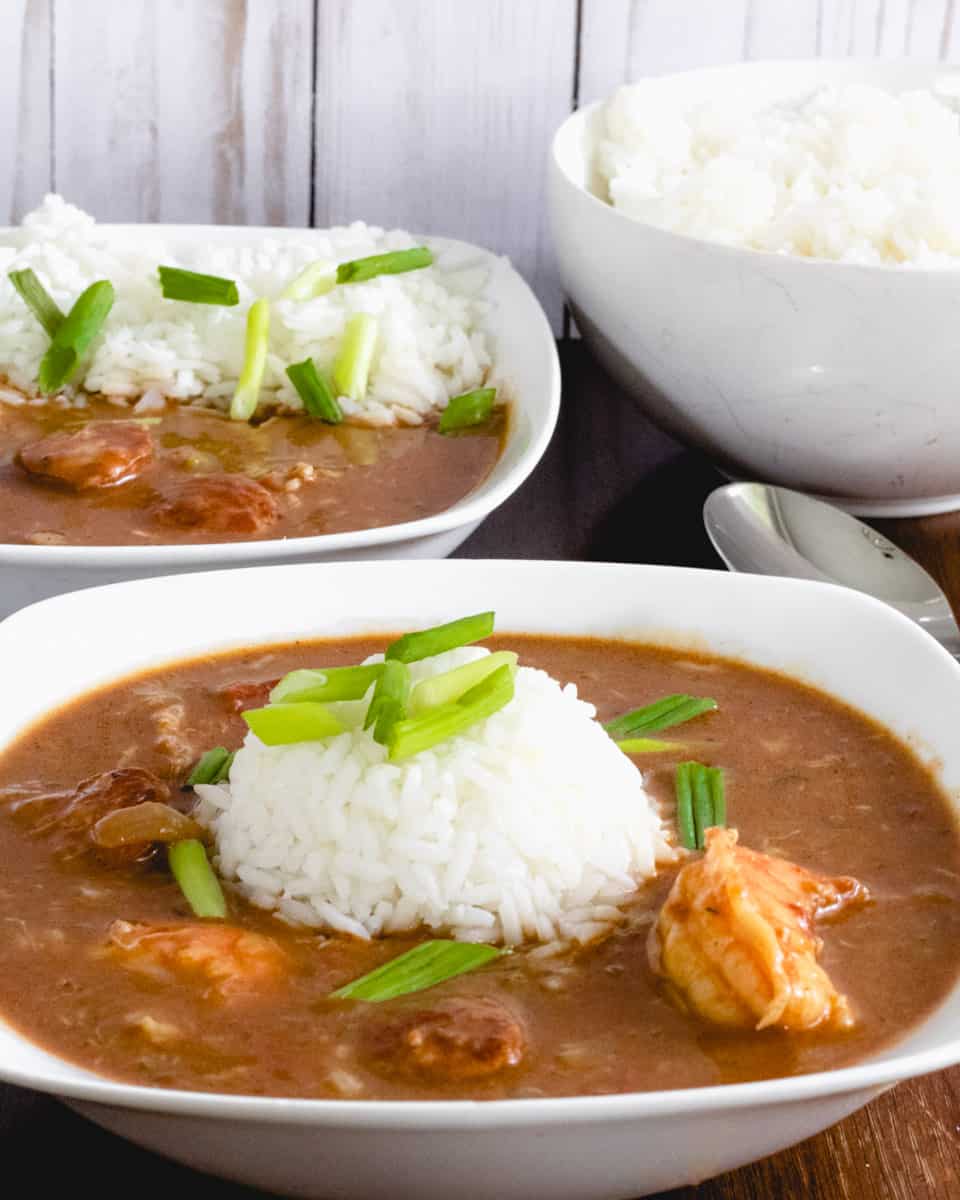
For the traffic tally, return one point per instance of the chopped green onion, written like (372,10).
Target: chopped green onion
(646,745)
(427,642)
(472,408)
(388,705)
(701,803)
(196,288)
(299,721)
(326,683)
(422,967)
(72,340)
(389,712)
(718,796)
(208,766)
(316,394)
(314,280)
(36,297)
(394,263)
(351,370)
(685,822)
(224,772)
(192,871)
(451,685)
(411,736)
(496,685)
(244,403)
(663,714)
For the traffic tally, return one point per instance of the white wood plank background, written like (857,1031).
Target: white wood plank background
(433,114)
(184,110)
(436,117)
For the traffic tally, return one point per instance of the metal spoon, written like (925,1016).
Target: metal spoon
(774,531)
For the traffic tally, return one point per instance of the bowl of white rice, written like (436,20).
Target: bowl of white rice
(469,319)
(767,256)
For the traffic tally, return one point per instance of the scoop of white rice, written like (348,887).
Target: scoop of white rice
(532,825)
(850,173)
(430,347)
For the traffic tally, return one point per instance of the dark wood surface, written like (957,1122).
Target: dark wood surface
(610,488)
(934,542)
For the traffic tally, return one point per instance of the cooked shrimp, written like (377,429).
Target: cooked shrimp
(735,939)
(226,961)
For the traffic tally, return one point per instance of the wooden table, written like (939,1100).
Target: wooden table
(610,488)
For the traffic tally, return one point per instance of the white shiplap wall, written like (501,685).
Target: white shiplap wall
(184,110)
(433,114)
(26,163)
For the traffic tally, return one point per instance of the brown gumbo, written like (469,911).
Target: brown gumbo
(103,476)
(104,963)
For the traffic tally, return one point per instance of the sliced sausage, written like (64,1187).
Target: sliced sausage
(459,1038)
(238,697)
(97,456)
(68,817)
(218,504)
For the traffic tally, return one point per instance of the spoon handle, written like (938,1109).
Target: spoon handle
(935,543)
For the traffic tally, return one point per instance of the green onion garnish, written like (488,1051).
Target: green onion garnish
(208,766)
(427,642)
(701,802)
(225,766)
(326,684)
(351,370)
(316,394)
(192,871)
(422,967)
(388,705)
(663,714)
(472,408)
(244,403)
(196,288)
(394,263)
(36,297)
(646,745)
(411,736)
(718,794)
(284,724)
(72,339)
(314,280)
(451,685)
(685,823)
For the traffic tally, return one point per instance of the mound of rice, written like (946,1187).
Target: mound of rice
(532,825)
(430,347)
(850,173)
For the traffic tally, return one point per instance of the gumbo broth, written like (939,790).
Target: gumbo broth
(102,476)
(807,778)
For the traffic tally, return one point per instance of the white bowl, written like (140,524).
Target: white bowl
(590,1148)
(827,377)
(526,366)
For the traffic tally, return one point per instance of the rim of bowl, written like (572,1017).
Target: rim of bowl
(891,1066)
(474,507)
(874,1075)
(581,116)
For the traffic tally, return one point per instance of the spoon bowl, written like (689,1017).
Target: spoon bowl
(766,530)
